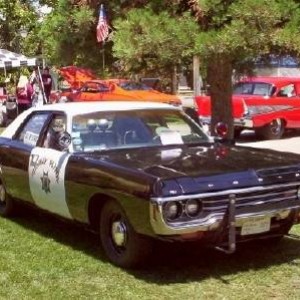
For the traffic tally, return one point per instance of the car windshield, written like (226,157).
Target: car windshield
(134,86)
(253,88)
(131,129)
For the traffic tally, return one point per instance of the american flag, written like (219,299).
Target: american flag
(102,27)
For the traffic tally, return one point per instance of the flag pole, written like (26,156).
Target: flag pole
(103,56)
(102,32)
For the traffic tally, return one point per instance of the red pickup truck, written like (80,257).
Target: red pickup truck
(268,105)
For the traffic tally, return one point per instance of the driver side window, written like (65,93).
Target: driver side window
(287,91)
(30,132)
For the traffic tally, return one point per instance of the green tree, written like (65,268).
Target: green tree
(153,42)
(230,34)
(233,33)
(67,36)
(14,16)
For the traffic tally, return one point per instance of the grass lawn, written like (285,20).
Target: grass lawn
(42,257)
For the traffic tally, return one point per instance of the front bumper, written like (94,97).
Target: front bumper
(238,122)
(214,221)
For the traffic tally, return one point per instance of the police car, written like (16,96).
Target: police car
(137,171)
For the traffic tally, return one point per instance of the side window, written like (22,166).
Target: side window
(31,130)
(287,91)
(56,127)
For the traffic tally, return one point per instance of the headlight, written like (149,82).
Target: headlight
(193,207)
(172,210)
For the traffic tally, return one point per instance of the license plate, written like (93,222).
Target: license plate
(256,225)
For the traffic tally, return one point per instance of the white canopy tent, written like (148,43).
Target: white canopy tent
(10,59)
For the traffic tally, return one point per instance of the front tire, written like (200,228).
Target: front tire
(271,131)
(122,245)
(7,204)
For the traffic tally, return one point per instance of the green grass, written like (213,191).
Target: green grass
(42,257)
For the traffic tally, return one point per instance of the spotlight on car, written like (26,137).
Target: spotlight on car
(221,129)
(172,210)
(193,207)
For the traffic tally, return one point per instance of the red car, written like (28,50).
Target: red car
(268,105)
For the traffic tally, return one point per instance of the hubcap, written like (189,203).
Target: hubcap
(276,126)
(119,233)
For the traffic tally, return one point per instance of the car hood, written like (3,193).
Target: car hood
(200,168)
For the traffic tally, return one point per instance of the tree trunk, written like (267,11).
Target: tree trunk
(219,76)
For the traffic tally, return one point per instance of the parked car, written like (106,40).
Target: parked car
(107,90)
(142,91)
(136,171)
(268,105)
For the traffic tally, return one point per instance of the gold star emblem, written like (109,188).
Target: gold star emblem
(45,182)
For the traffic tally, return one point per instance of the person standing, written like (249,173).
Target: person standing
(47,83)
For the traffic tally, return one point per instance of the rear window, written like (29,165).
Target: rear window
(253,88)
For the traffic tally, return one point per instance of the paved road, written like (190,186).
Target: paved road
(289,143)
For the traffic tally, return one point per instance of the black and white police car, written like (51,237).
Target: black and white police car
(138,171)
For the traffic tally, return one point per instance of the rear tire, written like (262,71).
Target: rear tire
(122,245)
(271,131)
(7,204)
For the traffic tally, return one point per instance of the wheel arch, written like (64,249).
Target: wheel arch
(95,205)
(136,209)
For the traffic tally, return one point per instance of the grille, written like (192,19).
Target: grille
(283,196)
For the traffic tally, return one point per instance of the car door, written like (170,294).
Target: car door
(15,159)
(288,99)
(46,170)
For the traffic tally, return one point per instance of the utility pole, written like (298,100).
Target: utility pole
(196,76)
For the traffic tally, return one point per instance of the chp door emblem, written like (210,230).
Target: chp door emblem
(47,180)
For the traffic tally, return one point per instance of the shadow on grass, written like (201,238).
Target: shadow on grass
(170,262)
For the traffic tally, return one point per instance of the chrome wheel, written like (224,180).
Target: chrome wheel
(276,126)
(122,245)
(273,130)
(119,233)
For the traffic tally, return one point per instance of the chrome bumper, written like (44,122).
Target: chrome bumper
(215,221)
(238,122)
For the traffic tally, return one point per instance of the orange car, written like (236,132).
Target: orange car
(83,86)
(106,90)
(142,91)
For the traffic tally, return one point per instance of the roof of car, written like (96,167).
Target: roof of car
(270,79)
(75,108)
